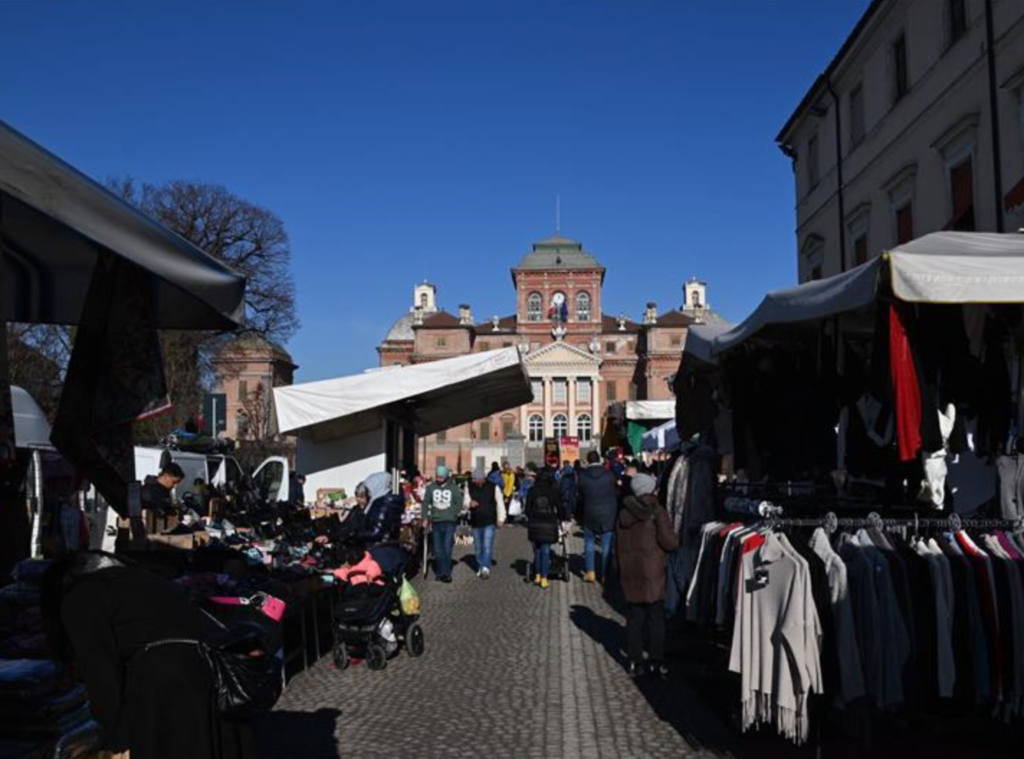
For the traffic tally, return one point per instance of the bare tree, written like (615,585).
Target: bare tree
(258,414)
(37,356)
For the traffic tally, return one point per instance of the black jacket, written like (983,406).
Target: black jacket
(486,512)
(543,509)
(599,498)
(383,520)
(158,704)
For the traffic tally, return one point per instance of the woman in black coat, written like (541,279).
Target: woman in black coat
(157,704)
(543,513)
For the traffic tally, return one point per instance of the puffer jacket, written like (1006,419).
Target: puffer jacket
(599,498)
(643,539)
(383,520)
(543,509)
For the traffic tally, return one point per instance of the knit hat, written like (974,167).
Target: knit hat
(441,471)
(643,484)
(479,474)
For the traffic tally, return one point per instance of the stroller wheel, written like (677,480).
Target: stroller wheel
(414,640)
(376,657)
(341,658)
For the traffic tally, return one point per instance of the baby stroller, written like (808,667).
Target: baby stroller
(368,620)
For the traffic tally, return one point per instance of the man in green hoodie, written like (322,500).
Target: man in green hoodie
(443,504)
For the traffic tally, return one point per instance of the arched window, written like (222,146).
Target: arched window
(534,307)
(582,307)
(424,301)
(561,425)
(584,428)
(695,298)
(536,423)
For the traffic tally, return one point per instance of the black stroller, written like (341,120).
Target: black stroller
(368,619)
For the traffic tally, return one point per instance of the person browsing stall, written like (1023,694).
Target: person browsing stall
(156,491)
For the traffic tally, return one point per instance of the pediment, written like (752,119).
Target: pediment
(562,356)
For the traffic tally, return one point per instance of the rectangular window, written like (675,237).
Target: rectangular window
(440,461)
(860,250)
(901,77)
(904,224)
(609,347)
(856,115)
(676,341)
(812,161)
(484,346)
(961,179)
(612,391)
(508,426)
(442,436)
(485,430)
(632,391)
(957,15)
(243,391)
(537,386)
(583,391)
(560,388)
(441,342)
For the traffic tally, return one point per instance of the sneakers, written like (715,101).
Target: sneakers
(485,574)
(446,579)
(536,580)
(590,577)
(544,582)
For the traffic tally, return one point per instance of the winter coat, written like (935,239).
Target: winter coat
(508,480)
(543,509)
(161,705)
(643,539)
(383,520)
(487,512)
(567,487)
(599,498)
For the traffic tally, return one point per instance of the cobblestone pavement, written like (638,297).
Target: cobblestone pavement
(510,670)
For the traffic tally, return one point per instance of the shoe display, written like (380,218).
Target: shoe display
(590,577)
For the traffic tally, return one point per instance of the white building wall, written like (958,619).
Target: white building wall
(910,145)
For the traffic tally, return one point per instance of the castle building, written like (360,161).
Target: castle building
(583,364)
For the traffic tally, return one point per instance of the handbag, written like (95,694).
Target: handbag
(247,680)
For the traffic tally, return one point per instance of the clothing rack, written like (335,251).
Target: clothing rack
(954,522)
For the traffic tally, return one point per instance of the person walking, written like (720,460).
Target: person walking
(508,482)
(644,539)
(486,514)
(567,489)
(443,503)
(600,503)
(543,513)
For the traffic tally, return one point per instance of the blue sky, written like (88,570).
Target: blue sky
(399,141)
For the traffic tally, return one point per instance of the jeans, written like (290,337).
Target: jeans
(444,541)
(542,559)
(483,542)
(653,616)
(589,538)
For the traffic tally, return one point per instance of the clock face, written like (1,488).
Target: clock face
(558,299)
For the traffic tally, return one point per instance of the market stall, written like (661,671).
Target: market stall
(875,422)
(350,427)
(72,253)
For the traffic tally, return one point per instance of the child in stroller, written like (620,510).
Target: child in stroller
(369,621)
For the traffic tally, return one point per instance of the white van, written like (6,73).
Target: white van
(270,477)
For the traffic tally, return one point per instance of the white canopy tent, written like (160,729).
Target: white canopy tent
(342,424)
(942,267)
(650,411)
(31,427)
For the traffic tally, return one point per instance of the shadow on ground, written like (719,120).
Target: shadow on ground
(299,735)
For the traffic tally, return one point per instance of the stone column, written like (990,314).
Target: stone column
(524,419)
(571,389)
(548,427)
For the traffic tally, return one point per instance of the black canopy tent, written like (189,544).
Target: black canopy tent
(62,236)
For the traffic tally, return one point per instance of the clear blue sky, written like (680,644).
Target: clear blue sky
(399,141)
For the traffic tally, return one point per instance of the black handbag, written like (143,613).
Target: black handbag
(247,680)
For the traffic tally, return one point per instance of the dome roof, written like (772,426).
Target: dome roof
(557,252)
(401,330)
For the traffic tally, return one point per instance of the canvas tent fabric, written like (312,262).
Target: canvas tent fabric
(661,438)
(54,222)
(426,398)
(700,340)
(647,411)
(31,428)
(941,268)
